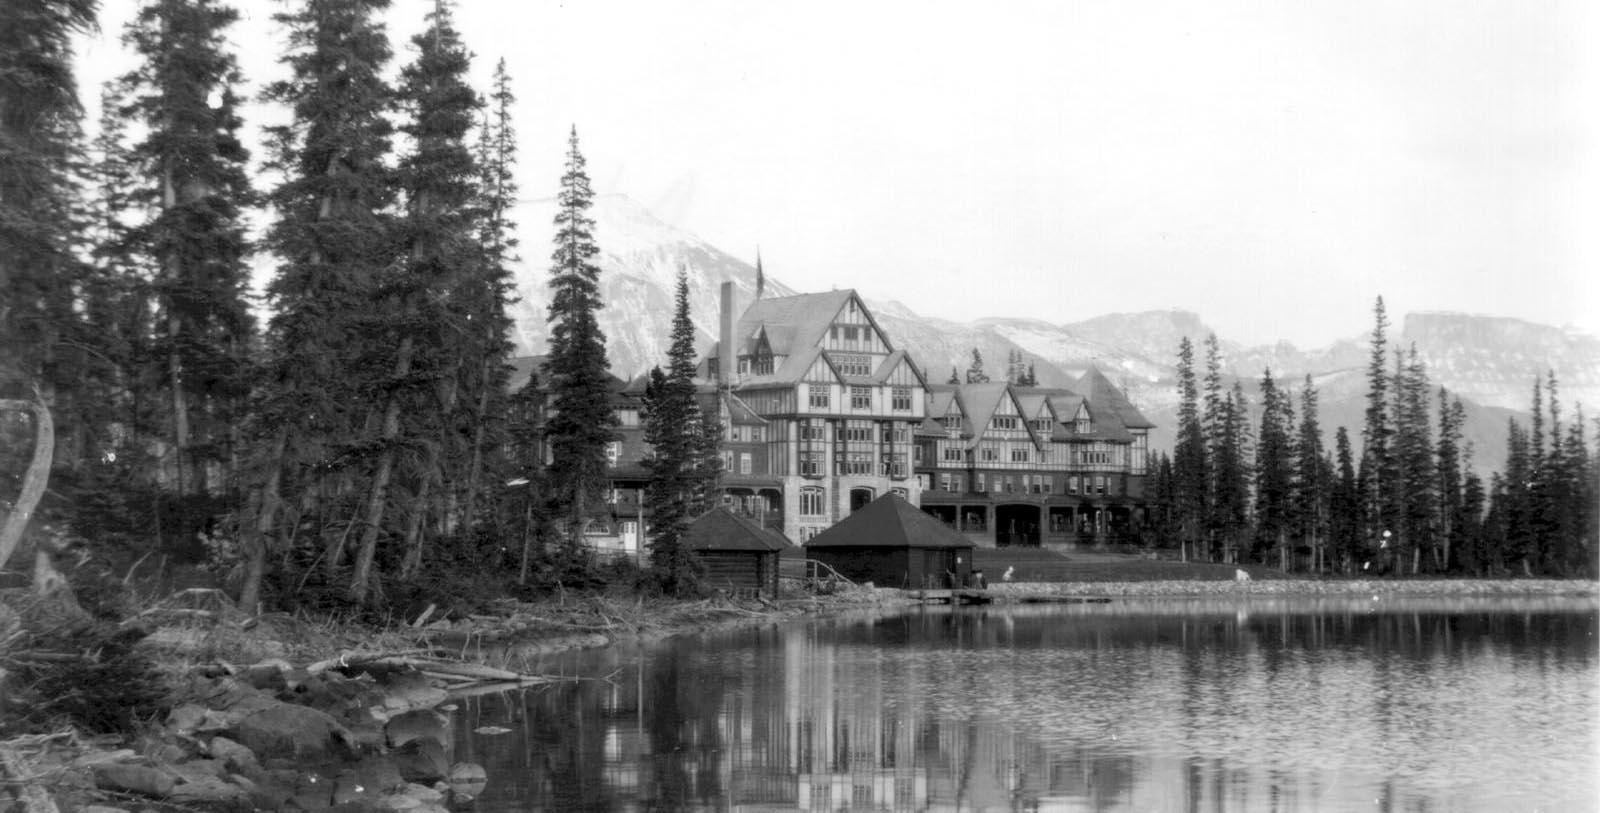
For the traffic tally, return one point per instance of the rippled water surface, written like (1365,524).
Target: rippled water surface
(1283,704)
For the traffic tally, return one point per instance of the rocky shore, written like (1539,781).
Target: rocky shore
(278,713)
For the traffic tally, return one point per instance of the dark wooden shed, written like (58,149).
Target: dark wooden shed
(737,553)
(892,543)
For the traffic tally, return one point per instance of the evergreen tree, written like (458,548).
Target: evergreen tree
(494,289)
(1232,474)
(1375,472)
(334,236)
(954,377)
(975,374)
(39,141)
(194,164)
(1449,468)
(1033,377)
(1190,470)
(1414,486)
(1274,474)
(1312,476)
(1344,503)
(1471,531)
(580,424)
(429,291)
(1513,539)
(673,428)
(1214,422)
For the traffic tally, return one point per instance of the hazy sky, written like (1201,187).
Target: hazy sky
(1271,165)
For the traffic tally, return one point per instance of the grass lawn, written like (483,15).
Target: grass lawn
(1038,565)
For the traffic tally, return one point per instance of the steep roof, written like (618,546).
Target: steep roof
(889,522)
(792,322)
(980,401)
(721,529)
(1103,394)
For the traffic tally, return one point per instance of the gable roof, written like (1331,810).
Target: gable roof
(721,529)
(979,402)
(1106,396)
(889,522)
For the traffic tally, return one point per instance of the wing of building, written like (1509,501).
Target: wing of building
(822,414)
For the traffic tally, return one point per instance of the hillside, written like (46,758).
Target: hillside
(1489,361)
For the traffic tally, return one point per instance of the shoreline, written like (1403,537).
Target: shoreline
(280,710)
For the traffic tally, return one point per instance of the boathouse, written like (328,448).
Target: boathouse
(737,553)
(892,543)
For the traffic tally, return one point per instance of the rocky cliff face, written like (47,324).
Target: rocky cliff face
(1490,362)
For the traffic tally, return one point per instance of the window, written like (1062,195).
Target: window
(1043,425)
(744,463)
(894,465)
(763,364)
(901,434)
(860,397)
(990,454)
(734,432)
(944,482)
(924,482)
(744,365)
(855,432)
(1011,484)
(811,464)
(916,455)
(1019,455)
(812,503)
(1099,484)
(812,430)
(904,495)
(613,452)
(978,483)
(1072,484)
(850,333)
(952,454)
(727,460)
(858,463)
(900,399)
(852,363)
(628,417)
(958,482)
(819,395)
(952,422)
(1047,483)
(755,434)
(1003,422)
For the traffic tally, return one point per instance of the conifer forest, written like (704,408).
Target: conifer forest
(358,446)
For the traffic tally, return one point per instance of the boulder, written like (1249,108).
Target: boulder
(416,725)
(141,779)
(467,780)
(293,731)
(422,761)
(236,757)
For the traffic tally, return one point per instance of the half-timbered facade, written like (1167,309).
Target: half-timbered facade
(840,404)
(1010,465)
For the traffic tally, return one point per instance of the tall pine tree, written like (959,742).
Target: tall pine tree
(1274,474)
(673,428)
(334,235)
(1375,472)
(1190,470)
(194,167)
(581,422)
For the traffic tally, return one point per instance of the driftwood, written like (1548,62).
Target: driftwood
(29,791)
(37,476)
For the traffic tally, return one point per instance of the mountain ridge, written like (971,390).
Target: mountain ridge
(1489,361)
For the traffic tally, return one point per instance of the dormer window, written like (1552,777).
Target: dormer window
(1082,426)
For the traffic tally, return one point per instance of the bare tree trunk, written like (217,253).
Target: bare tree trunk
(255,541)
(412,563)
(37,475)
(361,579)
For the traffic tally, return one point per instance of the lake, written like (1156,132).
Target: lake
(1139,704)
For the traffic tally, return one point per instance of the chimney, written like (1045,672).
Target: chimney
(726,354)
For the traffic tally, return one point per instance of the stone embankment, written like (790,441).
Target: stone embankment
(1442,588)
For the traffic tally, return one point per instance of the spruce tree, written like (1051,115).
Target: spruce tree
(1344,504)
(1413,493)
(1449,471)
(1274,474)
(334,235)
(1375,470)
(581,422)
(673,428)
(975,374)
(1311,480)
(428,290)
(493,292)
(194,165)
(1190,470)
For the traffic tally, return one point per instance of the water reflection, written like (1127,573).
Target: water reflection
(1159,705)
